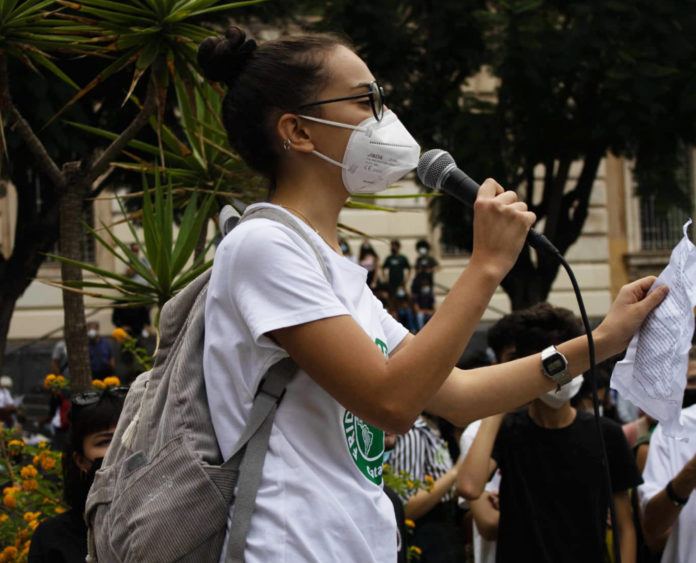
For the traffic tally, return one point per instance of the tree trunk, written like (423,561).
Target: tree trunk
(75,329)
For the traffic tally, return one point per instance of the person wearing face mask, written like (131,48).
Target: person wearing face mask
(553,504)
(424,267)
(93,419)
(101,356)
(306,112)
(397,268)
(347,252)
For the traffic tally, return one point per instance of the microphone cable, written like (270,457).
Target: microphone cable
(433,169)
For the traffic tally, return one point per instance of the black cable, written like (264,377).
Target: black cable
(595,405)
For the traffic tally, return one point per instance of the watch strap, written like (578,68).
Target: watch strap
(673,497)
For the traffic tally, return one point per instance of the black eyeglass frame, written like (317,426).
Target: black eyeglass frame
(376,95)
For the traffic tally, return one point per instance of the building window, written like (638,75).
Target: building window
(660,228)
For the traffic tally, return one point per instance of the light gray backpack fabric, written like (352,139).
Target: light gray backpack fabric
(163,491)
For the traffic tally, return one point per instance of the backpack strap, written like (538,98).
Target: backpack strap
(249,453)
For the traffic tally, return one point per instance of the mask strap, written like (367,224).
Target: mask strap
(329,159)
(328,122)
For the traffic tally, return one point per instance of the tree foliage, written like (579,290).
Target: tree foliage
(576,78)
(147,41)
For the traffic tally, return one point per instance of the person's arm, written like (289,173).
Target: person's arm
(55,368)
(625,527)
(479,393)
(661,513)
(486,515)
(477,466)
(642,455)
(424,501)
(390,393)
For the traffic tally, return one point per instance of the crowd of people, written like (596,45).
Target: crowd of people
(407,292)
(529,485)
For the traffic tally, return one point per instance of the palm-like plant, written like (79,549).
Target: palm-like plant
(169,263)
(157,38)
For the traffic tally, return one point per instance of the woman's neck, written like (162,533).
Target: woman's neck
(317,204)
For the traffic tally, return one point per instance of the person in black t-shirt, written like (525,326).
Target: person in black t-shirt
(397,268)
(553,498)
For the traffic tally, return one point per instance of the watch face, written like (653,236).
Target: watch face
(554,364)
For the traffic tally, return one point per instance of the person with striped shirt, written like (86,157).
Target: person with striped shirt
(425,457)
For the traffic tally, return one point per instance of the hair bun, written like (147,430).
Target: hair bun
(222,59)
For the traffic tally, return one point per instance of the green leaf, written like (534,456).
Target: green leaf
(226,7)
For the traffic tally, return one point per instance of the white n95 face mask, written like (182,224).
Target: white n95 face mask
(556,399)
(378,153)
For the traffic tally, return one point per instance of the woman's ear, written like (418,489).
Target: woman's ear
(293,133)
(83,464)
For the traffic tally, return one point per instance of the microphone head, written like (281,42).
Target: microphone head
(434,166)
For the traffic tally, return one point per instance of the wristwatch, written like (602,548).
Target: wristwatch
(555,366)
(676,500)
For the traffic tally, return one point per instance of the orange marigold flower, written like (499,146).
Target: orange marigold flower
(428,479)
(30,485)
(9,501)
(37,459)
(60,510)
(30,516)
(10,553)
(410,523)
(34,524)
(15,444)
(10,490)
(410,484)
(48,463)
(3,518)
(60,380)
(120,335)
(28,471)
(112,381)
(43,444)
(50,378)
(98,384)
(417,549)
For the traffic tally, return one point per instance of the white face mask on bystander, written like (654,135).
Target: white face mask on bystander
(556,399)
(378,153)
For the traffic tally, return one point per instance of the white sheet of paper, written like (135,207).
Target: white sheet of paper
(653,373)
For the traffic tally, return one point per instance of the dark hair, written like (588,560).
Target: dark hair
(264,81)
(85,420)
(422,243)
(531,330)
(603,372)
(365,249)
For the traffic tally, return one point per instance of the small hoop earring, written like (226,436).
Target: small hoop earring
(287,145)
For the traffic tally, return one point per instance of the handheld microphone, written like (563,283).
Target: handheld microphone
(438,171)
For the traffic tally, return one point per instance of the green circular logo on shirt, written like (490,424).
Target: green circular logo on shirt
(366,446)
(365,442)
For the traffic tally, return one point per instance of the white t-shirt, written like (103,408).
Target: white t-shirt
(484,550)
(321,496)
(666,457)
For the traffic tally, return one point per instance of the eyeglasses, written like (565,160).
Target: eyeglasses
(88,398)
(376,95)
